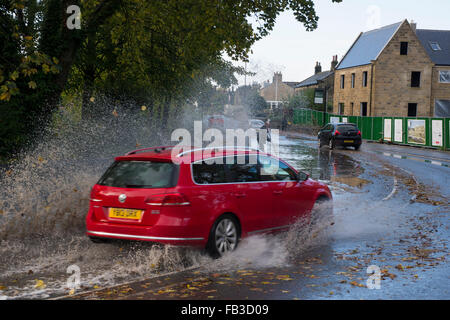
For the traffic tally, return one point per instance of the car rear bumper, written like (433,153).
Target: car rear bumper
(144,238)
(166,231)
(350,141)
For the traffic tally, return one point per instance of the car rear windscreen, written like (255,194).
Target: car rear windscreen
(347,127)
(140,174)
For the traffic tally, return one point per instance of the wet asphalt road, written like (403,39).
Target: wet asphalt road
(391,212)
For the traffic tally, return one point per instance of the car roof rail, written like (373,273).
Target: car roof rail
(244,148)
(162,148)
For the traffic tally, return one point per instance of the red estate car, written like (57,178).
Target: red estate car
(211,203)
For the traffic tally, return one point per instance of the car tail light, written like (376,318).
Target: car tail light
(337,133)
(94,195)
(359,133)
(168,199)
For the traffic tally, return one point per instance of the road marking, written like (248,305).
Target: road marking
(403,157)
(394,190)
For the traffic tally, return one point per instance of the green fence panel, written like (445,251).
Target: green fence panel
(377,128)
(412,131)
(366,128)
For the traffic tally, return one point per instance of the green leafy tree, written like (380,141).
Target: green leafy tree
(157,51)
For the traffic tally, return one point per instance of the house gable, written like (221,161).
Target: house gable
(368,46)
(392,84)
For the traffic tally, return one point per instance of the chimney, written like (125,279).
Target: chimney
(318,68)
(414,26)
(277,77)
(334,63)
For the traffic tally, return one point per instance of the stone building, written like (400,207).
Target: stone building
(390,72)
(321,80)
(437,44)
(278,91)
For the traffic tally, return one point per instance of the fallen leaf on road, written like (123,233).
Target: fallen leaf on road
(356,284)
(39,284)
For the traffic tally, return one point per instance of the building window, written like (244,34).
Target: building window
(435,46)
(365,76)
(342,81)
(442,108)
(341,109)
(353,80)
(352,105)
(415,79)
(412,110)
(444,76)
(404,48)
(364,109)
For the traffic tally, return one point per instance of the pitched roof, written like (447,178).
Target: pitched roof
(368,46)
(291,84)
(314,79)
(442,37)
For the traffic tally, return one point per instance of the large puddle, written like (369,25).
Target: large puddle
(44,199)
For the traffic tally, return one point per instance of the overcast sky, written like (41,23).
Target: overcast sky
(294,51)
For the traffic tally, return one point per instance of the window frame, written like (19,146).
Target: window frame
(341,110)
(439,76)
(173,180)
(293,174)
(413,104)
(431,43)
(248,182)
(419,83)
(365,79)
(367,109)
(404,48)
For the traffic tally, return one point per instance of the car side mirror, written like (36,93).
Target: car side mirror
(301,176)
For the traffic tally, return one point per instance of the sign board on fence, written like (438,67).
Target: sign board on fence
(388,129)
(398,130)
(436,133)
(334,119)
(344,120)
(416,131)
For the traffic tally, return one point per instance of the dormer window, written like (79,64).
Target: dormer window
(435,46)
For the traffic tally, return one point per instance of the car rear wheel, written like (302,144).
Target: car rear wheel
(224,236)
(331,144)
(357,147)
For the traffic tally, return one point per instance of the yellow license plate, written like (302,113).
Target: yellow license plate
(348,141)
(125,213)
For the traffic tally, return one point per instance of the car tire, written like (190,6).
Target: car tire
(224,236)
(357,147)
(331,144)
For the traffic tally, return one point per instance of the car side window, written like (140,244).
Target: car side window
(275,170)
(204,173)
(243,169)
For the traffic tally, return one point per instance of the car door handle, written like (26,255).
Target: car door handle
(277,193)
(240,195)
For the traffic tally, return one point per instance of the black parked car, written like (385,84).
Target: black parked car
(340,134)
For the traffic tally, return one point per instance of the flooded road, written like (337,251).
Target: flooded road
(382,219)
